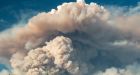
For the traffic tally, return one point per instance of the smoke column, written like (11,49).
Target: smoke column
(74,39)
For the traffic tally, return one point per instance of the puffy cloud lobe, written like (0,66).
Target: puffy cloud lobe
(50,59)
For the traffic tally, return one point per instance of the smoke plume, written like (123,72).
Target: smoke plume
(74,39)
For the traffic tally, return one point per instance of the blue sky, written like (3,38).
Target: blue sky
(11,11)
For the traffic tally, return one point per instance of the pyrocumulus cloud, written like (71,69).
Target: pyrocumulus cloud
(74,39)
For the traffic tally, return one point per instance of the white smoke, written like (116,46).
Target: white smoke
(4,72)
(129,70)
(80,1)
(74,39)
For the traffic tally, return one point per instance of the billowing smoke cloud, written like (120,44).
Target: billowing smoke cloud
(52,59)
(74,39)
